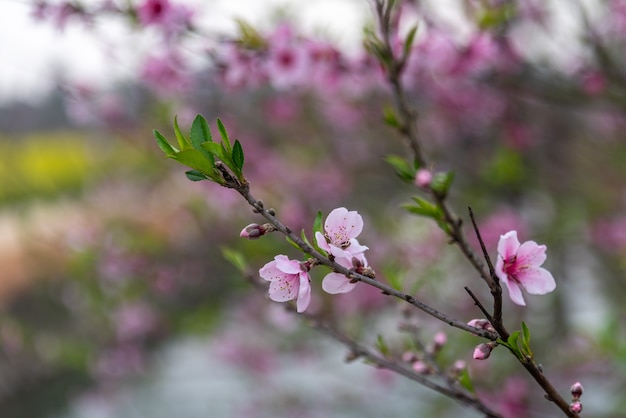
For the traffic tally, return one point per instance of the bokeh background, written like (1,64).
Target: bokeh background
(117,292)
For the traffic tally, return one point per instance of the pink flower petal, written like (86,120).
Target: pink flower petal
(530,254)
(284,288)
(321,242)
(515,292)
(335,283)
(536,280)
(341,225)
(508,245)
(284,264)
(270,272)
(304,293)
(500,269)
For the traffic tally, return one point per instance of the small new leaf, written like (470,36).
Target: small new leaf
(466,381)
(441,183)
(526,340)
(224,135)
(408,42)
(423,208)
(389,114)
(403,169)
(195,175)
(235,258)
(237,156)
(164,144)
(382,346)
(183,142)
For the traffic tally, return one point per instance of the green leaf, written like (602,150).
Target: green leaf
(237,156)
(224,135)
(402,167)
(466,381)
(317,224)
(195,159)
(382,346)
(408,42)
(389,115)
(199,134)
(164,144)
(183,142)
(424,208)
(512,343)
(441,182)
(221,153)
(235,258)
(304,238)
(195,175)
(526,340)
(292,242)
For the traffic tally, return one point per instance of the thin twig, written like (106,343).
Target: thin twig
(357,350)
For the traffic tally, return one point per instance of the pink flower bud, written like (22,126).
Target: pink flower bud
(408,356)
(481,324)
(576,407)
(440,339)
(420,367)
(423,177)
(483,351)
(254,231)
(459,365)
(577,390)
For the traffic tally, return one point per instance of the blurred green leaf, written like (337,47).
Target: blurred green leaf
(249,37)
(441,182)
(424,208)
(405,170)
(408,42)
(382,346)
(466,381)
(235,258)
(390,117)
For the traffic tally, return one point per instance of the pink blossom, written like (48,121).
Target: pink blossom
(519,266)
(289,280)
(173,19)
(423,177)
(341,229)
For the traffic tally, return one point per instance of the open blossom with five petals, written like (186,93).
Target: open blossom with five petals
(341,229)
(518,266)
(289,280)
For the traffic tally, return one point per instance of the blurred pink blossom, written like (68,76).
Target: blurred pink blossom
(135,320)
(167,73)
